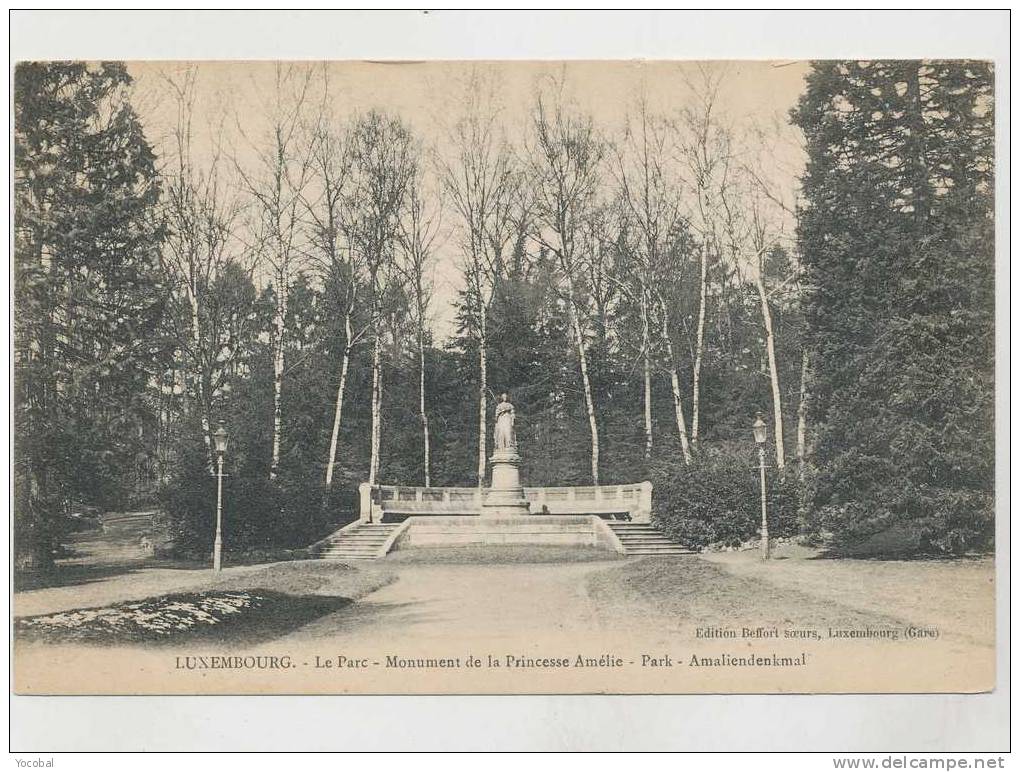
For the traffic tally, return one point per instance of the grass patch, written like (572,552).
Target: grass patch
(241,604)
(302,577)
(510,553)
(74,570)
(220,615)
(698,593)
(957,595)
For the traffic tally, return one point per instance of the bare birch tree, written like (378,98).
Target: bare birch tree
(650,191)
(341,266)
(802,411)
(762,244)
(771,215)
(706,148)
(419,228)
(276,183)
(200,214)
(384,164)
(566,164)
(479,183)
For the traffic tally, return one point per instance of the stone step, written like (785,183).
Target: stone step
(387,529)
(358,537)
(350,540)
(650,543)
(653,546)
(363,553)
(373,529)
(644,539)
(650,553)
(367,529)
(625,531)
(346,554)
(362,542)
(357,542)
(650,540)
(632,526)
(631,531)
(380,537)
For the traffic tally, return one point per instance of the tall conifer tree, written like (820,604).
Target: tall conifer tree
(87,291)
(897,242)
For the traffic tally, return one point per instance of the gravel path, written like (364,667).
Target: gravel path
(440,603)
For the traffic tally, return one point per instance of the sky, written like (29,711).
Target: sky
(232,97)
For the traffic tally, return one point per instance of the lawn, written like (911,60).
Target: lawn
(954,594)
(801,589)
(798,588)
(248,602)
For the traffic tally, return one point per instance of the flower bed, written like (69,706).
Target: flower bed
(153,618)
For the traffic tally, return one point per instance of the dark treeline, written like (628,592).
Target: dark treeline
(641,296)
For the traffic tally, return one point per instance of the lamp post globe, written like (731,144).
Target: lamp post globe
(220,439)
(760,430)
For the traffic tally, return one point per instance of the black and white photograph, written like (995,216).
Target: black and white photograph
(494,377)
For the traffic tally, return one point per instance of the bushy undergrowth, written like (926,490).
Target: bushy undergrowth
(717,500)
(287,513)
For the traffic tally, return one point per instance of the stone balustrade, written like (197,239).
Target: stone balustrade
(633,500)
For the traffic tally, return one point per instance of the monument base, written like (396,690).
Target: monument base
(506,496)
(536,530)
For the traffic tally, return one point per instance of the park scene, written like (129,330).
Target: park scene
(612,376)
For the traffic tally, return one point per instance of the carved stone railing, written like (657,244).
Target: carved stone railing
(633,500)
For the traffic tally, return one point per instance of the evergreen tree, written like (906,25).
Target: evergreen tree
(87,291)
(897,241)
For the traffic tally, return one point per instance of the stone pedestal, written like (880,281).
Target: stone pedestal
(505,498)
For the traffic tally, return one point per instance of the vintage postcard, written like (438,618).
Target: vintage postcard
(503,377)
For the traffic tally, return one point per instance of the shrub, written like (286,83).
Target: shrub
(933,521)
(717,500)
(258,513)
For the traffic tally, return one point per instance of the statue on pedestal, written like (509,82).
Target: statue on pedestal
(505,497)
(503,435)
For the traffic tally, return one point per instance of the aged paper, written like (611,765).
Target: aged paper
(442,378)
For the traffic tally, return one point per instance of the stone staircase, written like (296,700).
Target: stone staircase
(362,542)
(645,539)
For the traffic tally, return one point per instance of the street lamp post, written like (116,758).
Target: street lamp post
(220,441)
(760,429)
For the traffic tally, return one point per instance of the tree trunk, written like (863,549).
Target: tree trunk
(483,387)
(770,349)
(201,396)
(338,410)
(589,401)
(279,324)
(373,467)
(647,357)
(426,451)
(674,379)
(802,407)
(699,350)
